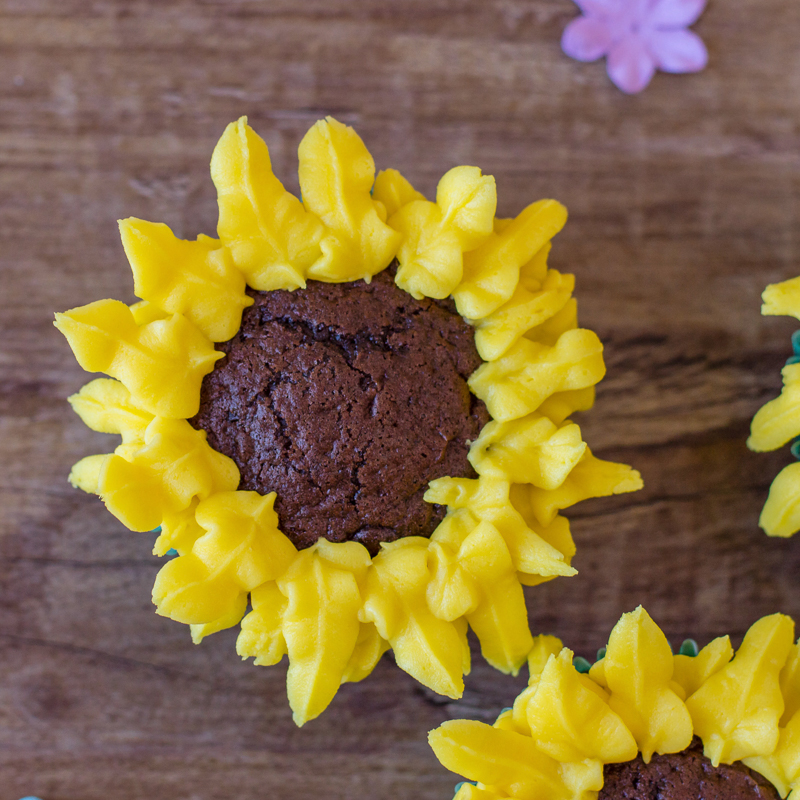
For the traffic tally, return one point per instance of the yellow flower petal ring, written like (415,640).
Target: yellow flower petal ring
(638,698)
(332,608)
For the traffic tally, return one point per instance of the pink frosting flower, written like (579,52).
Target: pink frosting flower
(638,36)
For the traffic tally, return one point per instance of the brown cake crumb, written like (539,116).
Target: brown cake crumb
(346,400)
(688,775)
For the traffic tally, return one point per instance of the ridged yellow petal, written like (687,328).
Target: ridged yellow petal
(519,382)
(428,648)
(691,672)
(162,363)
(370,646)
(499,758)
(273,240)
(394,191)
(500,618)
(430,255)
(320,624)
(571,722)
(196,279)
(106,406)
(261,636)
(497,332)
(528,450)
(737,710)
(487,499)
(491,272)
(591,477)
(638,669)
(468,201)
(779,420)
(241,550)
(435,235)
(336,176)
(781,513)
(790,684)
(782,299)
(87,473)
(561,405)
(179,531)
(175,466)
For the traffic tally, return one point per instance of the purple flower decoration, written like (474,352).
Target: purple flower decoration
(638,36)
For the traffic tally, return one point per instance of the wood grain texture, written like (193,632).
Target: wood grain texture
(684,205)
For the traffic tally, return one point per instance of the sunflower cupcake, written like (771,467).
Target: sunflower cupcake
(642,722)
(778,422)
(348,415)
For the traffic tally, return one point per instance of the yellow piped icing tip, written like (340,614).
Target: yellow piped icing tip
(639,698)
(331,608)
(778,421)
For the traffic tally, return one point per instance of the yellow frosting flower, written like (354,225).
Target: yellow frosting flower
(778,421)
(331,608)
(638,697)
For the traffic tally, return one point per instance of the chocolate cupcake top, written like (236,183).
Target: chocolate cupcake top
(346,400)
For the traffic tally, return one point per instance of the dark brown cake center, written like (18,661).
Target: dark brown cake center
(346,400)
(688,775)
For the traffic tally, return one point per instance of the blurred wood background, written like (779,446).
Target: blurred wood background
(684,205)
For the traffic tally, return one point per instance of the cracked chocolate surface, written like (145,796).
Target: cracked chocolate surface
(688,775)
(346,400)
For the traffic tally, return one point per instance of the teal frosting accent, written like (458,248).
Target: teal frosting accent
(689,648)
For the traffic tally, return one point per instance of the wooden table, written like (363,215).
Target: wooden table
(684,205)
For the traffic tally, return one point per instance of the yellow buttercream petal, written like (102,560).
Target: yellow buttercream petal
(782,767)
(591,477)
(737,710)
(781,513)
(638,669)
(691,672)
(261,636)
(519,382)
(778,421)
(497,332)
(162,363)
(435,235)
(543,647)
(561,405)
(106,406)
(528,450)
(241,549)
(488,499)
(430,254)
(272,239)
(790,684)
(320,622)
(500,618)
(782,299)
(492,271)
(428,648)
(196,279)
(336,176)
(86,474)
(370,646)
(179,531)
(570,721)
(175,466)
(500,758)
(394,191)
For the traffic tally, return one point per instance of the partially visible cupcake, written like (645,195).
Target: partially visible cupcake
(349,413)
(778,422)
(642,723)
